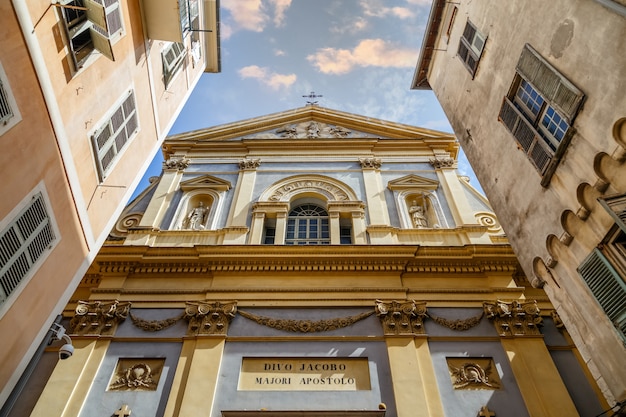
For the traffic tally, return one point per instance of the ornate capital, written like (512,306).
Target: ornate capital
(249,163)
(442,162)
(176,163)
(514,318)
(401,318)
(370,163)
(209,318)
(98,317)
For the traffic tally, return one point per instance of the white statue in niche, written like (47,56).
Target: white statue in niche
(196,217)
(418,216)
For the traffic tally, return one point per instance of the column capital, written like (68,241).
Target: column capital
(176,163)
(439,162)
(247,164)
(209,318)
(370,163)
(514,318)
(98,317)
(401,318)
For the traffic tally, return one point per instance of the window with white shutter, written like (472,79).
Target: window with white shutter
(607,286)
(115,133)
(471,47)
(91,25)
(9,114)
(539,111)
(173,57)
(25,241)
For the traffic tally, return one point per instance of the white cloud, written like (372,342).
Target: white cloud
(376,8)
(271,79)
(369,52)
(279,52)
(354,25)
(280,7)
(420,2)
(246,14)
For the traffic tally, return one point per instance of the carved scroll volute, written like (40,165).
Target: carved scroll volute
(514,318)
(209,318)
(98,317)
(401,318)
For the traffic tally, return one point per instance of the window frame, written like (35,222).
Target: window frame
(171,67)
(467,49)
(542,147)
(321,227)
(37,195)
(7,104)
(101,149)
(99,27)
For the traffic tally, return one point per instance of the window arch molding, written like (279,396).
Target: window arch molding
(327,188)
(341,202)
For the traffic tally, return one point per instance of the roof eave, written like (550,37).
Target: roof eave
(420,77)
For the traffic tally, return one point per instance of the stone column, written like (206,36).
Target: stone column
(537,377)
(335,229)
(236,226)
(453,190)
(256,228)
(375,192)
(173,170)
(414,382)
(198,368)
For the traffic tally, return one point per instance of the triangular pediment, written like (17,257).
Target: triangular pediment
(205,182)
(311,122)
(410,182)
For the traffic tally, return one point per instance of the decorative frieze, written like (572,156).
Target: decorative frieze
(209,318)
(305,326)
(401,318)
(249,163)
(459,325)
(370,163)
(514,318)
(176,163)
(98,317)
(155,325)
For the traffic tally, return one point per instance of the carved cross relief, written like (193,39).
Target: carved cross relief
(124,411)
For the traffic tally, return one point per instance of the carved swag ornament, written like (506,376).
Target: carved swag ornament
(514,318)
(305,326)
(98,317)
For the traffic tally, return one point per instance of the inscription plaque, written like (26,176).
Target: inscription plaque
(304,374)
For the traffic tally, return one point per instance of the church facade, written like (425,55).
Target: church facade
(312,263)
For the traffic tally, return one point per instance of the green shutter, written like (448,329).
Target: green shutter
(102,43)
(553,86)
(607,286)
(96,14)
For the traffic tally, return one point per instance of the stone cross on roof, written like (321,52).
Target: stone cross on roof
(311,96)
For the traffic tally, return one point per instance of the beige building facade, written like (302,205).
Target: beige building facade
(535,93)
(88,91)
(311,263)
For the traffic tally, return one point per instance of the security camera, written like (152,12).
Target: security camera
(67,350)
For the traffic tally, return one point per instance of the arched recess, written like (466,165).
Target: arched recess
(619,132)
(571,223)
(346,213)
(542,274)
(610,171)
(418,203)
(556,249)
(202,197)
(587,197)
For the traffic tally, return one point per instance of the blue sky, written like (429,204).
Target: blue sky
(359,55)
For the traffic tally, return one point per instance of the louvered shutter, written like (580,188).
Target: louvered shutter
(5,107)
(96,14)
(102,43)
(553,86)
(23,243)
(607,286)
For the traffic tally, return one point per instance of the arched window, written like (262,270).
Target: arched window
(308,224)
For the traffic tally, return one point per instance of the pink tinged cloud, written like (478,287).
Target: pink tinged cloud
(369,52)
(280,8)
(271,79)
(247,14)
